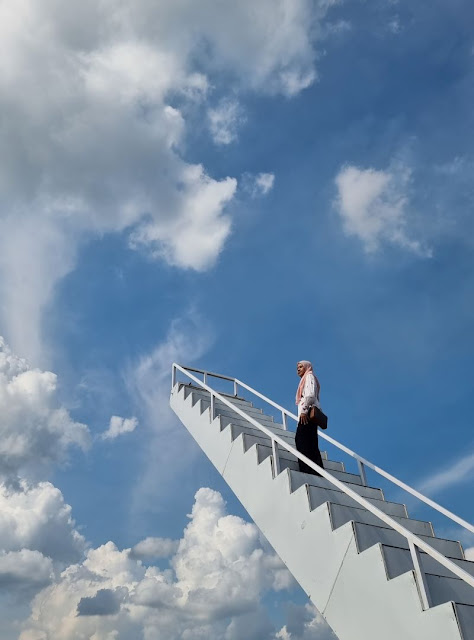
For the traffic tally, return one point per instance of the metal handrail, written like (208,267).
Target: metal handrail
(366,463)
(414,542)
(362,462)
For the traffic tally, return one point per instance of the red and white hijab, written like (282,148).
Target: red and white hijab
(308,369)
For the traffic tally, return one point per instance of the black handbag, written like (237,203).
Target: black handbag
(317,417)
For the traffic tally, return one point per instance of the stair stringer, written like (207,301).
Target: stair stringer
(350,589)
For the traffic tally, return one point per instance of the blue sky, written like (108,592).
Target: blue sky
(235,188)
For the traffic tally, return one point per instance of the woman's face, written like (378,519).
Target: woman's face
(300,369)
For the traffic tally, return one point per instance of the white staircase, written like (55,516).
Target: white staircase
(362,573)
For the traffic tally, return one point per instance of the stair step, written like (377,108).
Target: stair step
(273,426)
(341,514)
(235,418)
(398,561)
(228,396)
(250,411)
(242,426)
(263,440)
(369,534)
(442,589)
(465,617)
(297,479)
(287,463)
(245,405)
(318,495)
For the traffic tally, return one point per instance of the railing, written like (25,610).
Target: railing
(415,544)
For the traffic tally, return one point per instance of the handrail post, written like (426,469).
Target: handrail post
(362,473)
(205,377)
(276,458)
(173,377)
(420,576)
(212,408)
(235,388)
(285,425)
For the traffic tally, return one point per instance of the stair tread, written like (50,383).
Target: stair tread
(444,589)
(431,565)
(383,535)
(380,503)
(360,511)
(313,480)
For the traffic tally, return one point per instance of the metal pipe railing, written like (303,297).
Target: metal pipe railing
(415,544)
(362,463)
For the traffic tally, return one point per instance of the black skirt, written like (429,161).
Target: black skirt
(306,441)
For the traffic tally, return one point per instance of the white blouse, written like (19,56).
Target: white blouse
(310,396)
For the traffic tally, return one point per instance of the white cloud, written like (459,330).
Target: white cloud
(225,120)
(155,548)
(169,449)
(264,182)
(93,144)
(258,185)
(461,470)
(194,238)
(35,517)
(305,623)
(119,426)
(24,567)
(35,431)
(215,584)
(374,207)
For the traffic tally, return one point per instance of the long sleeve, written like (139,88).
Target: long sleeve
(310,396)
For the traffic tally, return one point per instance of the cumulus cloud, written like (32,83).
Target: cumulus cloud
(305,623)
(106,602)
(213,586)
(35,431)
(155,548)
(119,426)
(374,207)
(225,120)
(35,517)
(24,568)
(98,99)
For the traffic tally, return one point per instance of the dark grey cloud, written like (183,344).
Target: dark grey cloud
(106,602)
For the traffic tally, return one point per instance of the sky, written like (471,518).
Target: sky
(235,187)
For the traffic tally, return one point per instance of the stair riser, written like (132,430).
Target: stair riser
(298,479)
(246,427)
(240,402)
(442,589)
(251,440)
(318,496)
(398,561)
(341,514)
(293,464)
(368,535)
(221,407)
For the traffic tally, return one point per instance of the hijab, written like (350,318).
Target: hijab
(308,369)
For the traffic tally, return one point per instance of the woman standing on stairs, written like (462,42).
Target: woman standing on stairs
(307,395)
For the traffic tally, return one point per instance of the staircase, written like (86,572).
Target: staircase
(373,572)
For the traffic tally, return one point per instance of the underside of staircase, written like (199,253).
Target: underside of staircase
(357,571)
